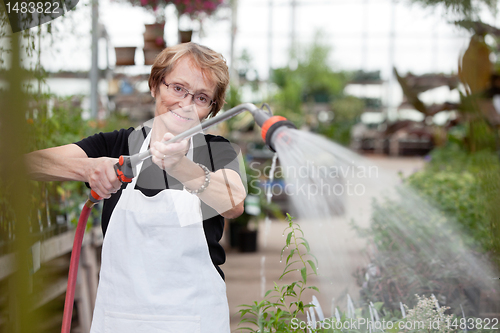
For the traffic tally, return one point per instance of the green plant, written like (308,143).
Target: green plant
(460,8)
(419,251)
(55,126)
(54,121)
(233,98)
(428,316)
(466,187)
(313,80)
(283,309)
(347,111)
(457,194)
(284,302)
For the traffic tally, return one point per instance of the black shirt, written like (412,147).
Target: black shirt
(214,152)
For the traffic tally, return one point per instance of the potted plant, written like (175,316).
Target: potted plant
(194,10)
(155,7)
(154,41)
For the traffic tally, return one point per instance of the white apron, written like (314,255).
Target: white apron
(156,272)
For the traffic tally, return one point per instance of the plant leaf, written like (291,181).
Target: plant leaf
(290,255)
(306,244)
(285,273)
(313,266)
(303,271)
(290,264)
(288,238)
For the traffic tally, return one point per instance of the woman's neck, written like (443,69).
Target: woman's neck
(158,130)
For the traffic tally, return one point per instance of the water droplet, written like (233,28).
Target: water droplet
(281,260)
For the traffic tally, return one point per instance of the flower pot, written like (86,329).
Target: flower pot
(154,42)
(125,56)
(247,240)
(234,233)
(150,55)
(154,45)
(153,31)
(185,36)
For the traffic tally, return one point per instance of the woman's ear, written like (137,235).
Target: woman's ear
(152,93)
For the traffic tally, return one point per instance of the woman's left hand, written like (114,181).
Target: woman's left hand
(166,156)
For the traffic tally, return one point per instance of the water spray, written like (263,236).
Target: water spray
(125,170)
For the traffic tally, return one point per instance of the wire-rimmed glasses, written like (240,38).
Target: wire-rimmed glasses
(178,91)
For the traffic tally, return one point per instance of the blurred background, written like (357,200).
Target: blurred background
(411,87)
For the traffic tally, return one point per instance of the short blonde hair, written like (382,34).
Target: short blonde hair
(212,64)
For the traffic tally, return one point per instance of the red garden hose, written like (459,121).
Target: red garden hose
(75,258)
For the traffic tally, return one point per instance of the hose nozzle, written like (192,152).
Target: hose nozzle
(270,124)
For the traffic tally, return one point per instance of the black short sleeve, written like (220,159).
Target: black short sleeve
(111,144)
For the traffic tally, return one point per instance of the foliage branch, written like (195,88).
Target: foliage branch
(195,8)
(284,302)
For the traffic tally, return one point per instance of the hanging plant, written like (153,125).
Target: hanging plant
(156,7)
(150,4)
(196,8)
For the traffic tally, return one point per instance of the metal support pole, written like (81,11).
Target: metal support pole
(233,74)
(364,51)
(293,31)
(391,112)
(270,41)
(94,69)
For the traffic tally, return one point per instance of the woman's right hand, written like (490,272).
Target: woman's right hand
(70,162)
(101,176)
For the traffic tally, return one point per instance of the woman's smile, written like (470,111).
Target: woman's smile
(178,116)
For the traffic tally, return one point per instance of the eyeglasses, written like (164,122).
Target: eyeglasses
(179,91)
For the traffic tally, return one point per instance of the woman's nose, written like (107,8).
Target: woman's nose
(187,100)
(187,105)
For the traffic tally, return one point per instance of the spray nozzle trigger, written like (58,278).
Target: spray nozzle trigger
(124,170)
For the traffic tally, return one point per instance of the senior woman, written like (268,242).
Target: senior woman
(161,253)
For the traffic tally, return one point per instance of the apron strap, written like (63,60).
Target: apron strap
(138,168)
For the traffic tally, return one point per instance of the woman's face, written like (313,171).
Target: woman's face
(181,114)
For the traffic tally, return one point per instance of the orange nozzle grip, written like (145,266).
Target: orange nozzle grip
(123,169)
(122,177)
(268,123)
(94,197)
